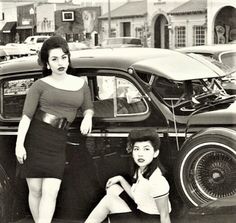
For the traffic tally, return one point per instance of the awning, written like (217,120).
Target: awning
(24,27)
(8,27)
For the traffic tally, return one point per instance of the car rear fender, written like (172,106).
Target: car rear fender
(229,133)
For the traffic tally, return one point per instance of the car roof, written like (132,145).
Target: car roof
(208,49)
(166,63)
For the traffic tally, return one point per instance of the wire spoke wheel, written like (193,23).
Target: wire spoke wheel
(214,175)
(206,171)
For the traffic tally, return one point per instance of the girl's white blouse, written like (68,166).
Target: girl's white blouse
(146,191)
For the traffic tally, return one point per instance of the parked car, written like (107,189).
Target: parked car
(34,43)
(178,96)
(223,56)
(77,46)
(229,81)
(225,53)
(115,42)
(11,51)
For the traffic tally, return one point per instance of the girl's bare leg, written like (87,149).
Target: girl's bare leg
(50,188)
(35,193)
(110,203)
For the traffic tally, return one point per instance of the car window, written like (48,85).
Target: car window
(167,89)
(115,97)
(41,39)
(229,59)
(14,93)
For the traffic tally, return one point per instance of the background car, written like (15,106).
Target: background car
(225,53)
(178,96)
(223,56)
(77,46)
(121,42)
(34,43)
(13,50)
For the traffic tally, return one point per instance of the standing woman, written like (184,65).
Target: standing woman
(51,105)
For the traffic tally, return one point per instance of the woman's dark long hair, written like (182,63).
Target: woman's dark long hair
(141,136)
(52,43)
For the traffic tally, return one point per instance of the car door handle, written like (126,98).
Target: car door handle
(73,143)
(187,109)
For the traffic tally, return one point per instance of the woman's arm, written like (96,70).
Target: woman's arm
(86,124)
(22,130)
(163,208)
(119,179)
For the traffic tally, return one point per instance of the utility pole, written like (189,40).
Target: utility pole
(109,18)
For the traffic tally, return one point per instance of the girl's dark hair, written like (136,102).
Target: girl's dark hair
(140,136)
(52,43)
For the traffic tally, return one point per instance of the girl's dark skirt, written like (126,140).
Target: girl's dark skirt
(45,147)
(135,216)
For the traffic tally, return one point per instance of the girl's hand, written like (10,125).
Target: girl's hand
(20,154)
(113,180)
(86,125)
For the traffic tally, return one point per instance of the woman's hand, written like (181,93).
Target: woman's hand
(20,154)
(86,125)
(113,180)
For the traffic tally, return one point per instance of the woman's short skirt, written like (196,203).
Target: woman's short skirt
(45,147)
(135,216)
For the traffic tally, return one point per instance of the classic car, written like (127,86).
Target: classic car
(115,42)
(225,53)
(223,56)
(34,43)
(13,50)
(178,96)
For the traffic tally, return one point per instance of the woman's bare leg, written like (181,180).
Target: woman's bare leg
(50,188)
(35,193)
(110,203)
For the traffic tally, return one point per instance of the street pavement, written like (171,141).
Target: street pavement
(191,216)
(219,211)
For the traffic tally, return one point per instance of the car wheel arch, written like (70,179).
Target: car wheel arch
(215,146)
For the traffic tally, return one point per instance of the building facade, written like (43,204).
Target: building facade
(159,23)
(221,20)
(175,24)
(130,19)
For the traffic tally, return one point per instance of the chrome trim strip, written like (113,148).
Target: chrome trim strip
(105,134)
(109,134)
(179,134)
(126,134)
(8,133)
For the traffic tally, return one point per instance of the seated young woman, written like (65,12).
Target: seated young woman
(147,199)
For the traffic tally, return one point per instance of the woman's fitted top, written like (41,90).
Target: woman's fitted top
(59,102)
(146,191)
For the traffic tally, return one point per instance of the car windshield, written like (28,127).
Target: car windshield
(229,59)
(171,92)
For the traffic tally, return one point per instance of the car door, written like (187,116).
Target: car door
(120,104)
(13,90)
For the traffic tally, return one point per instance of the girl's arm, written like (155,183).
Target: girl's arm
(163,208)
(22,130)
(119,179)
(86,124)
